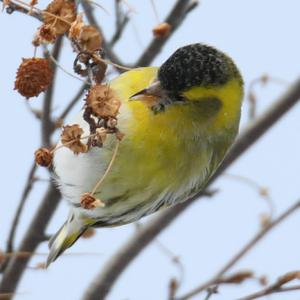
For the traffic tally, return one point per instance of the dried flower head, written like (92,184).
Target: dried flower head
(87,36)
(103,101)
(71,138)
(161,30)
(90,232)
(46,34)
(76,27)
(43,157)
(33,76)
(87,201)
(89,39)
(65,10)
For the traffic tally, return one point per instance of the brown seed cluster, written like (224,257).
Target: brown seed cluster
(71,138)
(87,37)
(162,30)
(103,102)
(58,17)
(33,76)
(88,201)
(43,157)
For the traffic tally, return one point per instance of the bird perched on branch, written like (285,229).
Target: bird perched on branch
(178,121)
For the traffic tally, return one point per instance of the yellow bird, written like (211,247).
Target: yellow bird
(172,144)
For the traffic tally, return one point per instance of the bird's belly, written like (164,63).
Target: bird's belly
(142,181)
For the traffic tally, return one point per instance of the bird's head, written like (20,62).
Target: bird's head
(195,73)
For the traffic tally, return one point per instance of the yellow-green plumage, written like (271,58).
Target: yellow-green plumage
(164,158)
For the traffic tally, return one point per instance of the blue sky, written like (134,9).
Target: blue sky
(262,37)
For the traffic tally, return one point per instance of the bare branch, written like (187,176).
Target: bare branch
(12,7)
(121,22)
(261,234)
(271,290)
(31,240)
(119,31)
(88,9)
(175,18)
(47,123)
(104,281)
(26,191)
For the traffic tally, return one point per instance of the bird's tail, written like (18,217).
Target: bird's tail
(66,236)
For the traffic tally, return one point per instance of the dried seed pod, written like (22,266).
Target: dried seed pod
(89,39)
(33,76)
(239,277)
(43,157)
(103,101)
(46,34)
(87,36)
(64,9)
(70,138)
(161,30)
(76,27)
(87,201)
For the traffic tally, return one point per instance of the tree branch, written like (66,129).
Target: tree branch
(26,191)
(269,291)
(261,234)
(47,123)
(31,240)
(175,18)
(104,281)
(121,22)
(88,9)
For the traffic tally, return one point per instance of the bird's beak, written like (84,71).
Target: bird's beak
(153,91)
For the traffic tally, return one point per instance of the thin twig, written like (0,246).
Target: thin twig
(103,282)
(175,18)
(96,187)
(88,9)
(34,234)
(22,9)
(241,253)
(121,22)
(269,291)
(119,31)
(62,68)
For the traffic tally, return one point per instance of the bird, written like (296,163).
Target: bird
(179,120)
